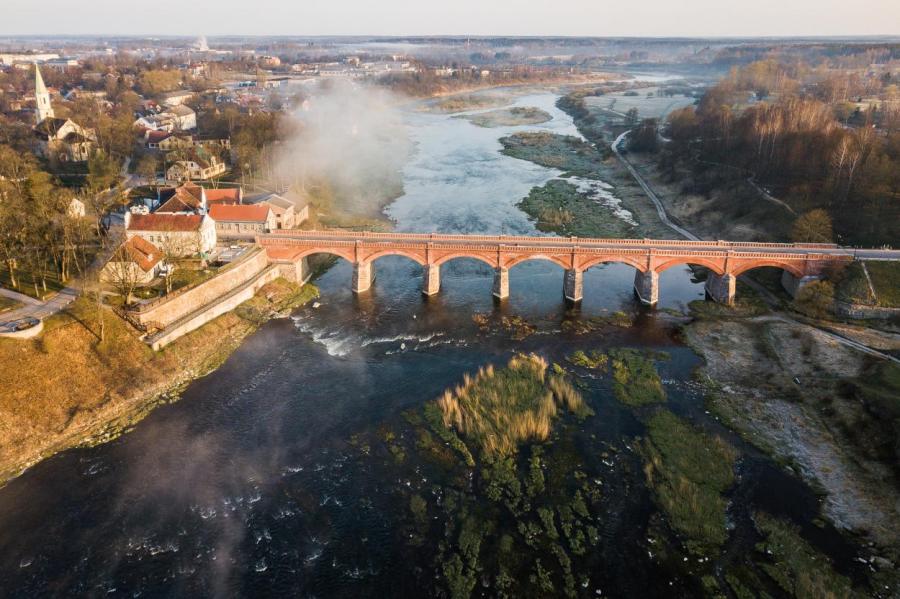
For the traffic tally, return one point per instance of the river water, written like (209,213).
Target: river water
(250,483)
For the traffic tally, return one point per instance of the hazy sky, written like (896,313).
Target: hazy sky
(476,17)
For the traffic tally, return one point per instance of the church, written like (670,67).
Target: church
(58,139)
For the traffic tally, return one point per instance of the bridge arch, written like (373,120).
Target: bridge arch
(590,263)
(481,258)
(788,266)
(345,254)
(704,262)
(545,257)
(418,259)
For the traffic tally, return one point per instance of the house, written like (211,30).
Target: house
(300,199)
(242,220)
(176,98)
(286,216)
(198,166)
(177,118)
(140,261)
(174,234)
(189,198)
(227,196)
(185,117)
(79,93)
(62,64)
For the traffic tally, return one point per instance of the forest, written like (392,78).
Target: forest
(815,137)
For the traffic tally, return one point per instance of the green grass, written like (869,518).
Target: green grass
(559,207)
(795,566)
(688,471)
(7,304)
(876,427)
(635,380)
(886,281)
(568,153)
(594,360)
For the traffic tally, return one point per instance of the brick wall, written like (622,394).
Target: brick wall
(179,304)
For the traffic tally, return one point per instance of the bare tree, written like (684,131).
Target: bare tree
(123,271)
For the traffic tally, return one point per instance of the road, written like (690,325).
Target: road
(768,297)
(546,242)
(663,216)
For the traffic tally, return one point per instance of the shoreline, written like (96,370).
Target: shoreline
(220,338)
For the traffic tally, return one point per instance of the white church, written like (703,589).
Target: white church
(58,139)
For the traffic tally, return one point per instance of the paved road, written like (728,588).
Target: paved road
(39,309)
(860,254)
(663,216)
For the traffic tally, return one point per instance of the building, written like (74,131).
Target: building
(63,140)
(225,196)
(177,118)
(189,198)
(42,107)
(62,64)
(242,220)
(141,262)
(58,139)
(286,213)
(176,235)
(199,166)
(176,98)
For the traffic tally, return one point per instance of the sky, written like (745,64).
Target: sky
(661,18)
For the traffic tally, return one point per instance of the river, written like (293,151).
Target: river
(251,483)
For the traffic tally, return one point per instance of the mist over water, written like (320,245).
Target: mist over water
(248,485)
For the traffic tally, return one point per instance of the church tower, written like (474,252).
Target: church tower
(42,109)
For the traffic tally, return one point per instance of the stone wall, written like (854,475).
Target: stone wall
(205,313)
(166,310)
(863,312)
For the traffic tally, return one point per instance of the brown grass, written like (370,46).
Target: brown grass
(65,385)
(498,409)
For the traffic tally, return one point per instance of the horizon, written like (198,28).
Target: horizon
(400,18)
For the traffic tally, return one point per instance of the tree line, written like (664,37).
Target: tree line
(779,124)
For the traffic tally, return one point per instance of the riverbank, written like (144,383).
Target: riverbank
(793,392)
(818,406)
(68,388)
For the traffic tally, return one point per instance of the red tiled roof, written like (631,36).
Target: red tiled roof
(239,212)
(145,254)
(165,222)
(224,195)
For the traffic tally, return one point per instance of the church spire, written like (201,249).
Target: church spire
(42,107)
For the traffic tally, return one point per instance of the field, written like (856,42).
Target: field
(68,385)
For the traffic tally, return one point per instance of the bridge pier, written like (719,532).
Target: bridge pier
(794,284)
(721,288)
(573,285)
(646,287)
(501,283)
(432,279)
(362,276)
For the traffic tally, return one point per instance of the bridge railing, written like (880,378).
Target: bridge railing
(513,239)
(372,246)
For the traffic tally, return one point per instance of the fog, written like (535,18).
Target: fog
(349,140)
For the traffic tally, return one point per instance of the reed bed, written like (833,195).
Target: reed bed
(498,409)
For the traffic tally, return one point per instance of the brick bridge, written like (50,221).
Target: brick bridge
(726,260)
